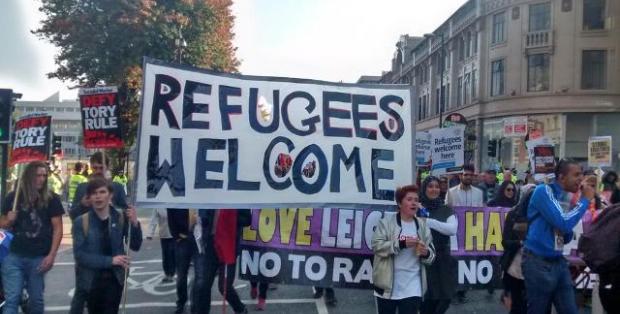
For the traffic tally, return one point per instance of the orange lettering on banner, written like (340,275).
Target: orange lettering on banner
(474,230)
(287,221)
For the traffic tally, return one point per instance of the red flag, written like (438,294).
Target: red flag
(225,237)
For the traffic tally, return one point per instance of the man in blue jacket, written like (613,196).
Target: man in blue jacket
(551,218)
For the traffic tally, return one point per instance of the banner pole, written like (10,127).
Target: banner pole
(18,186)
(126,269)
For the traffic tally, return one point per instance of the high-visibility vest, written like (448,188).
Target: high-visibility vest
(74,181)
(54,184)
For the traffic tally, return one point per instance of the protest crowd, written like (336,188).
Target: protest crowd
(413,268)
(410,262)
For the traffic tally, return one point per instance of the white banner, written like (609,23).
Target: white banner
(447,150)
(515,126)
(599,151)
(213,140)
(423,148)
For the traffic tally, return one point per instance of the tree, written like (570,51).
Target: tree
(104,41)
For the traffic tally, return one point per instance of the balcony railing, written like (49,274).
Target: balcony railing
(539,39)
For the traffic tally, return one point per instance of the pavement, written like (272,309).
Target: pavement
(147,293)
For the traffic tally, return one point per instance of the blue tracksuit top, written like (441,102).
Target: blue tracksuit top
(545,214)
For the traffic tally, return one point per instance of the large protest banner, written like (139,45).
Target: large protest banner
(447,150)
(332,247)
(213,140)
(599,151)
(100,117)
(31,139)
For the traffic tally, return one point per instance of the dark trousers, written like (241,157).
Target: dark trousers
(105,296)
(516,290)
(262,288)
(435,306)
(168,256)
(610,295)
(404,306)
(213,267)
(186,251)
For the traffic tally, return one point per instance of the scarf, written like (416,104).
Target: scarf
(430,204)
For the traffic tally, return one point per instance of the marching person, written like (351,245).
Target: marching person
(98,247)
(441,275)
(513,235)
(80,203)
(506,196)
(466,195)
(74,180)
(402,246)
(220,237)
(328,292)
(36,225)
(489,185)
(551,218)
(160,218)
(181,222)
(259,289)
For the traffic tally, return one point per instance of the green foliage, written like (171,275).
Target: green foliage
(104,41)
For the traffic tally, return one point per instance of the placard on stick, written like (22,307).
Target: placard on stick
(31,139)
(100,117)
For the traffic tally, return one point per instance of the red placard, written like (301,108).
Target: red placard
(100,118)
(31,140)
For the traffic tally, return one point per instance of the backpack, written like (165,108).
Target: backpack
(86,222)
(600,246)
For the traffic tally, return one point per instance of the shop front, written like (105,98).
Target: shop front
(503,139)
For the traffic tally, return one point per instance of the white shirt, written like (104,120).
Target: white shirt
(407,279)
(471,197)
(160,217)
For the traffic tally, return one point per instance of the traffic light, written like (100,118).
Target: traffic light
(57,145)
(6,105)
(492,148)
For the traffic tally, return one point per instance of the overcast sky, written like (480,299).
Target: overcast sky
(317,39)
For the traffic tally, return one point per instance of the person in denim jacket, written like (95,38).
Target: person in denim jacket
(98,247)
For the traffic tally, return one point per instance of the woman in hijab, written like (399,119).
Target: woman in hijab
(506,196)
(441,277)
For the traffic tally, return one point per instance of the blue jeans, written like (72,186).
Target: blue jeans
(16,271)
(548,281)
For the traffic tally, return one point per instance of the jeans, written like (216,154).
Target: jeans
(516,290)
(17,271)
(168,256)
(548,281)
(404,306)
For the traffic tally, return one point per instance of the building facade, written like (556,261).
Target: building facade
(66,122)
(555,63)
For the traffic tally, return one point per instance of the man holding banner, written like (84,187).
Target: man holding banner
(35,220)
(81,203)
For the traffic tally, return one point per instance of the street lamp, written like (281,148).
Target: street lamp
(441,69)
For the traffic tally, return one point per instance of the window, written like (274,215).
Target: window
(474,84)
(437,102)
(468,45)
(466,90)
(474,44)
(499,21)
(497,78)
(593,14)
(540,17)
(461,49)
(459,91)
(538,72)
(447,99)
(594,69)
(420,108)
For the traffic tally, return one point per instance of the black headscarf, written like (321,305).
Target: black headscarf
(501,200)
(430,204)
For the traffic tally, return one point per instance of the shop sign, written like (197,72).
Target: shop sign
(515,126)
(599,151)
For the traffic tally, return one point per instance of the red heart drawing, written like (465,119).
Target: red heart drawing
(283,165)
